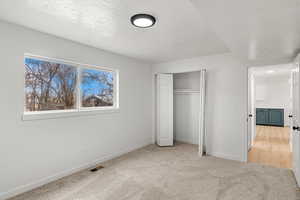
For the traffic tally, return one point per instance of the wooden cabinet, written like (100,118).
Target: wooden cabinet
(270,116)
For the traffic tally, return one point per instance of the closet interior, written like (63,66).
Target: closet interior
(186,103)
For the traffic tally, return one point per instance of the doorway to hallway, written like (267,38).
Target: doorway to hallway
(271,147)
(272,108)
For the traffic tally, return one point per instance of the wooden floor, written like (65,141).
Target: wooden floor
(271,147)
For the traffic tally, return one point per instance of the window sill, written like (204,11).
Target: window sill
(66,113)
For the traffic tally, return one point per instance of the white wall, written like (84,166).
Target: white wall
(226,112)
(190,81)
(186,107)
(34,152)
(274,92)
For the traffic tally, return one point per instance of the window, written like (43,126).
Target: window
(49,85)
(97,88)
(54,86)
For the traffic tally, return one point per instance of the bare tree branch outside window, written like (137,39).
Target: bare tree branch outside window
(96,88)
(49,86)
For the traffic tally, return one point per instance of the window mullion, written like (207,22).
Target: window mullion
(78,88)
(116,88)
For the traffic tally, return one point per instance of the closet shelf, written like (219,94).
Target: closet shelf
(183,91)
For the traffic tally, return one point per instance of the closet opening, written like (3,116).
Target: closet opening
(180,109)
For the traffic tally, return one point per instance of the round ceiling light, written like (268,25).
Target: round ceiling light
(143,20)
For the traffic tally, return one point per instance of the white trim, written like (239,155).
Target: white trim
(78,90)
(245,142)
(226,156)
(154,108)
(202,128)
(29,116)
(30,186)
(116,89)
(78,110)
(68,62)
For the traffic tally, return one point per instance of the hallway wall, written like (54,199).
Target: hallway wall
(274,92)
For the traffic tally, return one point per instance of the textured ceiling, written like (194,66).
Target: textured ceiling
(257,31)
(180,31)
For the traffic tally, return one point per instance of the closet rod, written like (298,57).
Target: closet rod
(186,91)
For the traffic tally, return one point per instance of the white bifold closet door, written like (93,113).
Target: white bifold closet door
(202,130)
(164,112)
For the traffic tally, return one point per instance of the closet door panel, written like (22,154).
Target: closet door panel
(164,123)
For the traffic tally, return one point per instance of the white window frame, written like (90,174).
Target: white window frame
(79,110)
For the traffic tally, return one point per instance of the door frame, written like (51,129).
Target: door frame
(251,109)
(251,122)
(202,116)
(251,99)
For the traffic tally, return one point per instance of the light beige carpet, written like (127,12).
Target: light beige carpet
(176,173)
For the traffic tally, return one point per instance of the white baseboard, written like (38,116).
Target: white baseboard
(226,156)
(186,141)
(30,186)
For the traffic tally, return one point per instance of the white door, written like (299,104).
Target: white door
(296,124)
(164,112)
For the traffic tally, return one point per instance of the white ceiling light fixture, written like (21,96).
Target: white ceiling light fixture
(270,71)
(143,20)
